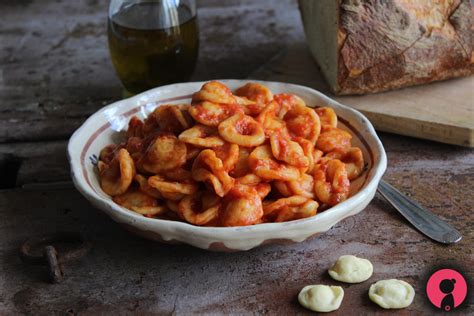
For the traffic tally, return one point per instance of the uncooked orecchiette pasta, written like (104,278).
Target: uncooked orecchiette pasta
(232,159)
(392,293)
(321,298)
(351,269)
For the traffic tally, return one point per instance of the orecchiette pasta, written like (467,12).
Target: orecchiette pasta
(116,177)
(302,121)
(241,167)
(312,154)
(232,159)
(212,114)
(139,202)
(165,186)
(208,168)
(352,158)
(215,92)
(351,269)
(286,102)
(146,188)
(303,186)
(334,139)
(193,209)
(321,298)
(243,207)
(328,118)
(135,128)
(264,165)
(166,152)
(307,209)
(172,118)
(280,204)
(392,293)
(256,92)
(242,130)
(331,184)
(288,151)
(201,136)
(270,120)
(228,154)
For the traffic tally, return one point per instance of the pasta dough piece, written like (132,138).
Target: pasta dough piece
(302,121)
(212,114)
(216,92)
(308,209)
(164,153)
(284,149)
(263,165)
(201,136)
(192,152)
(135,127)
(178,174)
(243,207)
(328,118)
(313,154)
(193,209)
(270,120)
(351,269)
(135,147)
(172,118)
(303,186)
(334,139)
(249,179)
(256,92)
(139,202)
(352,158)
(207,167)
(286,102)
(283,188)
(280,204)
(146,188)
(321,298)
(241,167)
(166,186)
(242,130)
(228,154)
(116,177)
(391,294)
(331,184)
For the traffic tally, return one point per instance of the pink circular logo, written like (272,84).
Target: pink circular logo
(446,289)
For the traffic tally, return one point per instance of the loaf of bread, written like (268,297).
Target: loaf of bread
(366,46)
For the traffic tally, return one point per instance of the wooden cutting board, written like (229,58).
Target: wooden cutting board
(441,111)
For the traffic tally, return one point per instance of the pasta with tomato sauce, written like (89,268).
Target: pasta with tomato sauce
(232,159)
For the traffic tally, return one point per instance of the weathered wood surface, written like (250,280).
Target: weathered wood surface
(55,71)
(128,274)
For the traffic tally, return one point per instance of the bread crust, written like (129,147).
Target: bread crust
(388,44)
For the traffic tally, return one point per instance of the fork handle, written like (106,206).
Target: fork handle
(423,220)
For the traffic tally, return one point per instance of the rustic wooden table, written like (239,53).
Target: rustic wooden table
(55,72)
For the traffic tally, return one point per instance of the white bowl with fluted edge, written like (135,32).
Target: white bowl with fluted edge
(103,128)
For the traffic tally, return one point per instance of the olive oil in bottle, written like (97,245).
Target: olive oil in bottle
(153,43)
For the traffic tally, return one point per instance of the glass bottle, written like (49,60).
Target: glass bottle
(152,42)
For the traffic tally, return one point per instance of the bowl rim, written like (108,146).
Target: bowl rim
(379,167)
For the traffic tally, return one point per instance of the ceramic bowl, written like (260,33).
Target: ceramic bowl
(103,128)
